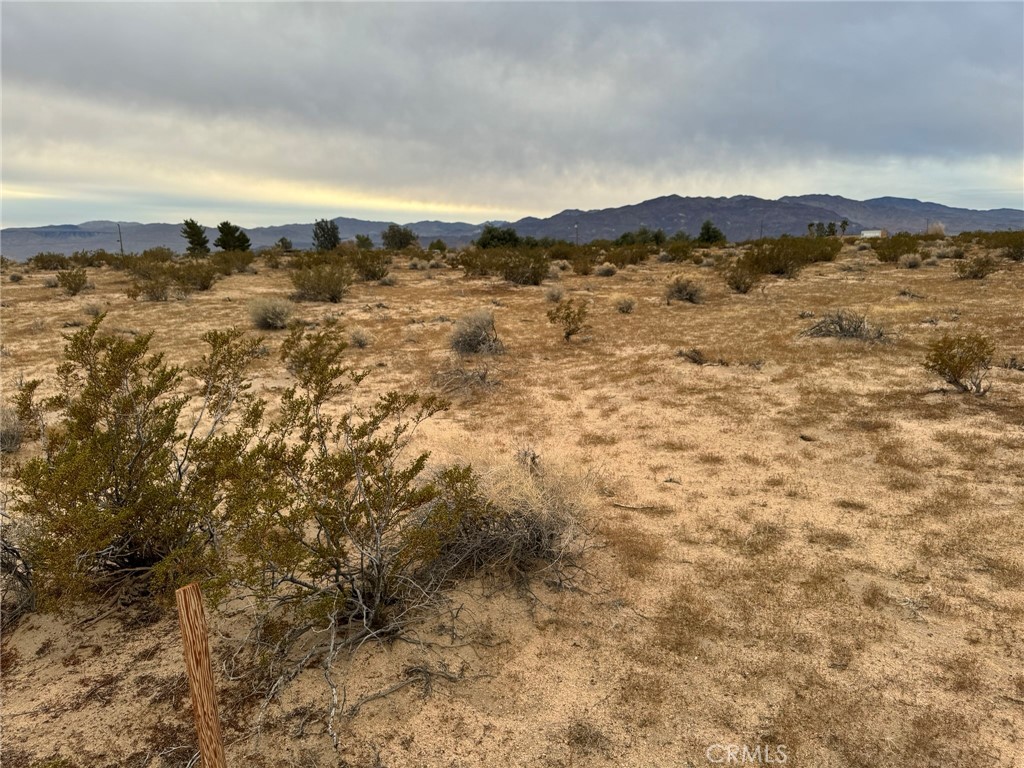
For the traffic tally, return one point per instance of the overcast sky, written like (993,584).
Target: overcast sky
(278,113)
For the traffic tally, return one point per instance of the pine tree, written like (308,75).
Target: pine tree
(195,233)
(231,238)
(325,235)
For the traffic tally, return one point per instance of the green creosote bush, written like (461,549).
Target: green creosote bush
(370,265)
(571,315)
(228,262)
(962,360)
(890,249)
(270,314)
(527,266)
(73,281)
(682,289)
(123,503)
(475,333)
(328,281)
(49,262)
(977,268)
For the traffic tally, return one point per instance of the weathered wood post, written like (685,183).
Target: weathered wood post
(200,675)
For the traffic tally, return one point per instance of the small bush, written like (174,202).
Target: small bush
(624,304)
(740,278)
(910,261)
(475,333)
(49,262)
(571,314)
(681,289)
(72,281)
(889,249)
(845,325)
(962,360)
(524,267)
(605,270)
(11,430)
(554,294)
(437,264)
(154,288)
(270,314)
(977,268)
(228,262)
(359,338)
(16,277)
(416,264)
(92,310)
(195,275)
(370,265)
(50,281)
(322,282)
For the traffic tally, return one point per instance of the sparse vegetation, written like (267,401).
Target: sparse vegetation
(325,281)
(623,304)
(73,281)
(977,268)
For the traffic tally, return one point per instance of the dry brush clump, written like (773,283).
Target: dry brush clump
(977,268)
(475,333)
(684,289)
(269,314)
(844,324)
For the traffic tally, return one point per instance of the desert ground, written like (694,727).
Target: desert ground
(809,547)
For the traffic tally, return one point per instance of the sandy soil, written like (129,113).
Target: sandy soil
(810,547)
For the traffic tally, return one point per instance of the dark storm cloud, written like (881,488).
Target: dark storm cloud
(518,107)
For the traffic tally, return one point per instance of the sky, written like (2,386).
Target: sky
(274,113)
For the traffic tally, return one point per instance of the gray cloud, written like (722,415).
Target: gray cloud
(508,108)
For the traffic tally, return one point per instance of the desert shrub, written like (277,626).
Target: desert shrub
(931,261)
(270,314)
(92,309)
(437,264)
(322,282)
(952,252)
(195,275)
(786,256)
(11,430)
(845,325)
(155,287)
(228,262)
(676,251)
(475,333)
(741,278)
(977,268)
(527,266)
(962,360)
(624,304)
(910,261)
(123,502)
(682,289)
(416,264)
(370,265)
(16,277)
(889,249)
(562,265)
(72,281)
(554,294)
(49,262)
(571,315)
(359,338)
(605,270)
(50,281)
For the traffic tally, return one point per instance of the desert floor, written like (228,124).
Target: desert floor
(808,546)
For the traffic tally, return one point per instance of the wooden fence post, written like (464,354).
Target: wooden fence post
(200,675)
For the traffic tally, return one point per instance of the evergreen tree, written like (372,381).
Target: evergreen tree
(195,233)
(498,237)
(710,234)
(325,235)
(395,238)
(231,238)
(364,243)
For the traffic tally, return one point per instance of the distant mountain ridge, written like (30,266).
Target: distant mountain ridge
(741,217)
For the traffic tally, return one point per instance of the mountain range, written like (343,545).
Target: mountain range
(741,217)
